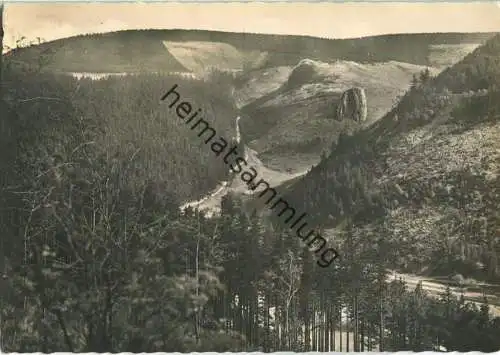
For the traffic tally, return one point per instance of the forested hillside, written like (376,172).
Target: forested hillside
(121,119)
(143,50)
(89,170)
(425,177)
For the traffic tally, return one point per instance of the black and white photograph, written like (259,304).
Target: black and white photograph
(249,177)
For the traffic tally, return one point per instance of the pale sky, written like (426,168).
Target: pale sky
(333,20)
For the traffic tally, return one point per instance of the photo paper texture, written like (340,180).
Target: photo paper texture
(243,177)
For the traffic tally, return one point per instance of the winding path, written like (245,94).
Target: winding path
(210,203)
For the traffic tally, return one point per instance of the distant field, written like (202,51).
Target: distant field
(444,55)
(259,83)
(198,56)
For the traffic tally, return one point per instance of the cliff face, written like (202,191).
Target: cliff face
(352,105)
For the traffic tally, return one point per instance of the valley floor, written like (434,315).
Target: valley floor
(211,202)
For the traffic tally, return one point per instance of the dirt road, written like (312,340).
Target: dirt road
(435,287)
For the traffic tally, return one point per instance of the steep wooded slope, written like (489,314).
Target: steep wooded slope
(423,181)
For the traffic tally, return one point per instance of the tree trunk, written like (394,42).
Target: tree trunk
(239,316)
(327,331)
(267,323)
(277,340)
(307,330)
(340,328)
(313,328)
(362,336)
(382,325)
(332,339)
(256,320)
(355,314)
(305,294)
(197,266)
(348,341)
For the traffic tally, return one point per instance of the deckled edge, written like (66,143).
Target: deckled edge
(280,353)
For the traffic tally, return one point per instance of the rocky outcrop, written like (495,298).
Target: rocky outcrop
(306,71)
(352,105)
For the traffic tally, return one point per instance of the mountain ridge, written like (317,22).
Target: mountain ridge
(142,50)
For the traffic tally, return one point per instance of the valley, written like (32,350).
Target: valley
(274,153)
(130,234)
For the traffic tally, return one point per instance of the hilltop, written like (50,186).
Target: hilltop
(157,50)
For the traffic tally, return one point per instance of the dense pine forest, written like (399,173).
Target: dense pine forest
(97,256)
